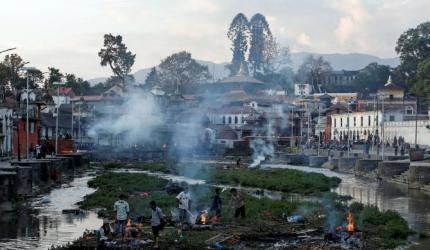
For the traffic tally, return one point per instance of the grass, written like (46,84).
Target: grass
(387,225)
(285,180)
(111,185)
(162,167)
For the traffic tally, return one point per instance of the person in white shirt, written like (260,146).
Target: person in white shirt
(157,221)
(122,209)
(184,205)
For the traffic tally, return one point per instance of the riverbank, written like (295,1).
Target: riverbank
(263,215)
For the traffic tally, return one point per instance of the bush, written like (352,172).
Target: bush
(285,180)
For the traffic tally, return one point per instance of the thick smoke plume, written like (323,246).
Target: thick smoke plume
(134,121)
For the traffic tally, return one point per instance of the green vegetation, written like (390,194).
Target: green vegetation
(388,225)
(150,166)
(286,180)
(110,185)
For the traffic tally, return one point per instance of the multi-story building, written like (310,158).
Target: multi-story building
(359,125)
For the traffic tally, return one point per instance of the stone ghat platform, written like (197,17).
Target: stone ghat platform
(29,177)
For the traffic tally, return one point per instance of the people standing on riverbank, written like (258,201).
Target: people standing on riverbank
(184,205)
(122,210)
(238,203)
(217,203)
(157,222)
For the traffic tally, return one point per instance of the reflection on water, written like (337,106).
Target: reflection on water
(44,224)
(413,205)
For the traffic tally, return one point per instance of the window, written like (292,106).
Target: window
(223,120)
(409,110)
(32,129)
(355,121)
(341,122)
(369,121)
(235,120)
(229,120)
(361,121)
(347,121)
(392,118)
(391,96)
(334,122)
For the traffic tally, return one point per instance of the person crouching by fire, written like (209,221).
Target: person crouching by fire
(238,203)
(184,205)
(157,221)
(122,210)
(217,204)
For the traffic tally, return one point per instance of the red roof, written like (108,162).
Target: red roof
(64,91)
(88,98)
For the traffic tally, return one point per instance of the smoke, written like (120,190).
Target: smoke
(260,150)
(134,121)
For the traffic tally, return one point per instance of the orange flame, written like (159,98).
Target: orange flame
(203,218)
(128,223)
(350,226)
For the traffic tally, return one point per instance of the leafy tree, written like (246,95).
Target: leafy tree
(263,47)
(79,85)
(152,78)
(12,64)
(413,46)
(238,33)
(313,70)
(54,76)
(372,77)
(115,54)
(180,69)
(422,87)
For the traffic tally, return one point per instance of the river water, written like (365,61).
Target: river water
(45,225)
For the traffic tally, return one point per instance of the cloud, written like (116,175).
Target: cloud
(303,39)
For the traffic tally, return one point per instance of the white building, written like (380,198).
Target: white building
(302,89)
(235,117)
(358,124)
(6,130)
(406,129)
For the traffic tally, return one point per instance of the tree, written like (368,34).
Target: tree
(12,64)
(313,70)
(372,77)
(152,78)
(115,54)
(180,69)
(238,33)
(54,76)
(413,46)
(263,47)
(422,86)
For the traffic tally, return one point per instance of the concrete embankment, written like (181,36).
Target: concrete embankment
(26,178)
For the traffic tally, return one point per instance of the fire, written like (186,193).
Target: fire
(350,226)
(128,223)
(203,218)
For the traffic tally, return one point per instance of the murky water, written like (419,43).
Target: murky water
(413,205)
(44,225)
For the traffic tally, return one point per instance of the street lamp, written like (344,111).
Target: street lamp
(58,114)
(7,50)
(27,69)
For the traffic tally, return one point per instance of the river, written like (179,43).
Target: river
(45,225)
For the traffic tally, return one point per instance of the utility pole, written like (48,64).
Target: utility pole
(382,127)
(26,122)
(319,135)
(348,124)
(72,122)
(416,124)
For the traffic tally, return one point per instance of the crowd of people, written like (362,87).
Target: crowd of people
(121,209)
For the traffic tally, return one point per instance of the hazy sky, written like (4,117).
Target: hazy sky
(68,33)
